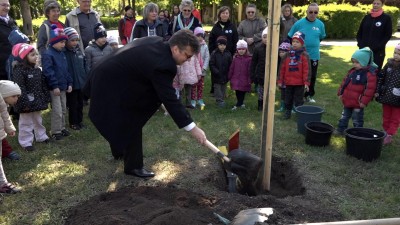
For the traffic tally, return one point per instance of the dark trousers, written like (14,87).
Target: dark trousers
(379,57)
(357,115)
(314,69)
(240,97)
(294,94)
(75,107)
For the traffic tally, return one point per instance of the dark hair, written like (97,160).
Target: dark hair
(128,7)
(221,10)
(49,5)
(184,38)
(24,63)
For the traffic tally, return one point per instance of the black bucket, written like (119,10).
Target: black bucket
(318,133)
(364,143)
(307,113)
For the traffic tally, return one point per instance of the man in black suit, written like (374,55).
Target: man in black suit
(127,87)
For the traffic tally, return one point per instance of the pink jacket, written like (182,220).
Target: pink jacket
(239,73)
(189,70)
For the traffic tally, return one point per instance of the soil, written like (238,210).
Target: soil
(173,204)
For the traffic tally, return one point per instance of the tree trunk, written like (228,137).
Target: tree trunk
(26,18)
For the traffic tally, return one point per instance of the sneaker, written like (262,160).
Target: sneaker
(65,133)
(234,108)
(311,100)
(75,126)
(57,137)
(8,188)
(293,111)
(29,148)
(83,126)
(387,140)
(338,132)
(221,104)
(201,102)
(13,156)
(243,106)
(193,103)
(307,99)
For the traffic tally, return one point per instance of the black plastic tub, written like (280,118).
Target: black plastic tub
(364,143)
(318,133)
(307,113)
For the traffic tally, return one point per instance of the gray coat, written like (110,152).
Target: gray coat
(251,29)
(93,54)
(43,36)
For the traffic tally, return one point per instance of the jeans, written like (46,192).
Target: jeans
(357,115)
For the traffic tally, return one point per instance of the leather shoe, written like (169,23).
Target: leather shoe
(140,173)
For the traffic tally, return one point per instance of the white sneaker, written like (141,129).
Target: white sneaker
(243,106)
(311,100)
(234,108)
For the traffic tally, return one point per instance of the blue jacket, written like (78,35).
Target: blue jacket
(55,68)
(76,67)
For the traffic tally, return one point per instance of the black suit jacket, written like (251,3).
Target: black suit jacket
(127,87)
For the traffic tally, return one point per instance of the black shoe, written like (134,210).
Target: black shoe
(47,141)
(287,114)
(140,173)
(29,148)
(13,156)
(57,137)
(75,126)
(65,133)
(118,157)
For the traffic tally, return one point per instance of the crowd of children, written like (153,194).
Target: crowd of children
(65,68)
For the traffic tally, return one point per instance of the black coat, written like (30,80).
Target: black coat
(374,32)
(129,85)
(141,29)
(5,45)
(229,31)
(389,84)
(219,66)
(257,68)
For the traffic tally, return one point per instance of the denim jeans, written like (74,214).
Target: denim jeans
(357,115)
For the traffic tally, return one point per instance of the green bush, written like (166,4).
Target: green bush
(342,21)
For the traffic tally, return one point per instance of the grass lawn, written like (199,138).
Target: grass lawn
(60,175)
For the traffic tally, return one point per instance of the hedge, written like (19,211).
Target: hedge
(342,21)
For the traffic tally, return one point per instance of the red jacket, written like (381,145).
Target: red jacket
(358,86)
(294,75)
(125,27)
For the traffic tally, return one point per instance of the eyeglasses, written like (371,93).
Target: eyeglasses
(187,10)
(311,12)
(250,12)
(5,5)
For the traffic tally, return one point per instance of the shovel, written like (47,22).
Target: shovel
(244,164)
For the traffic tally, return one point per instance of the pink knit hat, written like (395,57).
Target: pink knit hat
(199,31)
(20,50)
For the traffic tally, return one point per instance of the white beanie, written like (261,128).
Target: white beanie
(9,88)
(265,31)
(112,39)
(241,44)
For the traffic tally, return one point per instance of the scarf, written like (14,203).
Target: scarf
(294,56)
(188,22)
(375,14)
(5,18)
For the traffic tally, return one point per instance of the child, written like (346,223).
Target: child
(98,48)
(239,73)
(113,41)
(9,92)
(34,96)
(197,89)
(283,48)
(220,62)
(188,74)
(76,67)
(55,68)
(357,89)
(257,68)
(294,73)
(389,95)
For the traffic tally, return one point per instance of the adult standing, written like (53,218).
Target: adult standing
(314,31)
(83,19)
(52,12)
(251,28)
(223,27)
(125,25)
(287,21)
(375,31)
(137,92)
(7,24)
(185,19)
(150,25)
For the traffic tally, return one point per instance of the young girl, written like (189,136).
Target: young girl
(283,48)
(239,73)
(34,96)
(197,89)
(389,95)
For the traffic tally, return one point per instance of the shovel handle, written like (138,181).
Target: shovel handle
(213,148)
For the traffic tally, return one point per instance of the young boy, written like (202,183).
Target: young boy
(98,49)
(294,74)
(9,93)
(357,89)
(76,67)
(55,68)
(257,68)
(220,62)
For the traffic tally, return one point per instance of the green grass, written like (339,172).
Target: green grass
(63,174)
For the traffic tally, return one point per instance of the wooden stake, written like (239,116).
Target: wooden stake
(274,13)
